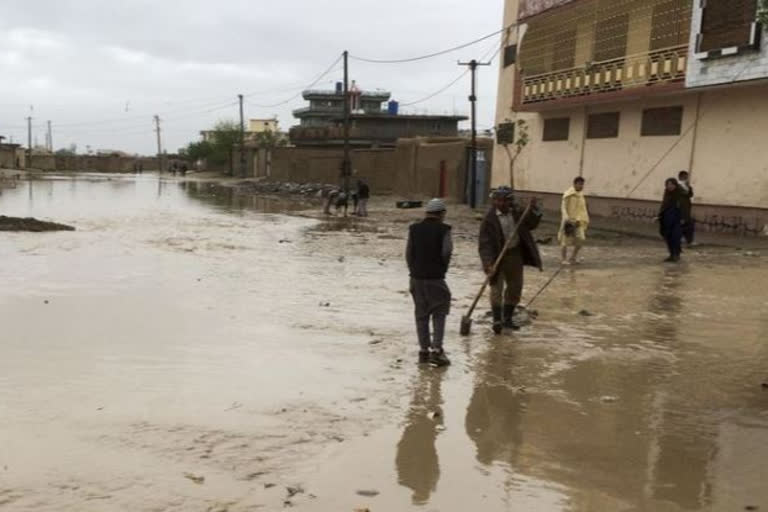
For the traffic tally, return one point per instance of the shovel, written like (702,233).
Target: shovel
(466,320)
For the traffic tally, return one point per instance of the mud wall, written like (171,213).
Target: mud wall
(100,163)
(415,168)
(10,156)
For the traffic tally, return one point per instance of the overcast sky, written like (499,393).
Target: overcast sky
(100,69)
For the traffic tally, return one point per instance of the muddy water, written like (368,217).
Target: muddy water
(186,333)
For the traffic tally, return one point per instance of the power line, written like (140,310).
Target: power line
(431,55)
(330,69)
(454,81)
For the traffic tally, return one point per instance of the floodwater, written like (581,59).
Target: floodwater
(192,349)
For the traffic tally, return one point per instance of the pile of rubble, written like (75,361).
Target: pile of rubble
(302,189)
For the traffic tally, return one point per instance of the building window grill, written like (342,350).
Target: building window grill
(727,24)
(603,126)
(662,121)
(556,129)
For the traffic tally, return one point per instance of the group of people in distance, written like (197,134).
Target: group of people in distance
(339,199)
(430,247)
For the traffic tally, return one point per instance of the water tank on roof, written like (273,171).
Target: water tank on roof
(393,108)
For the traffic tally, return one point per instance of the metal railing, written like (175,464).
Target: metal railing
(643,69)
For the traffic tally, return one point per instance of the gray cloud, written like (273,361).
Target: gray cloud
(100,70)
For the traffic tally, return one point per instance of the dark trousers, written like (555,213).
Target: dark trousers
(689,230)
(432,301)
(674,236)
(507,284)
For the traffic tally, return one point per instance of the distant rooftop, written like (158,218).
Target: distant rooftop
(321,93)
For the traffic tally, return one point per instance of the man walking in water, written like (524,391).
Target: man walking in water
(575,220)
(495,230)
(428,255)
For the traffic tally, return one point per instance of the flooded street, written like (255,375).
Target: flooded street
(189,349)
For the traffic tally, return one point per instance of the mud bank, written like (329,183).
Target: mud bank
(30,224)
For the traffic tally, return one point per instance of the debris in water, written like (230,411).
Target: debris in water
(368,493)
(584,312)
(609,399)
(325,304)
(341,259)
(293,491)
(433,415)
(751,507)
(30,224)
(45,302)
(199,480)
(269,486)
(765,385)
(544,241)
(362,510)
(440,428)
(375,342)
(284,241)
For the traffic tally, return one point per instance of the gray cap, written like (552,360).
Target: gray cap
(436,206)
(502,193)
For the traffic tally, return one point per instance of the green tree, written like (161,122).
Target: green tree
(522,139)
(197,150)
(224,137)
(762,13)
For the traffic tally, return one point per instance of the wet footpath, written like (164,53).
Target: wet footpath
(189,348)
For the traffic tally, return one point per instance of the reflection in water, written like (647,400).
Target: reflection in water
(418,467)
(495,411)
(229,198)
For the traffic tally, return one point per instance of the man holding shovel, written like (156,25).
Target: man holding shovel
(496,230)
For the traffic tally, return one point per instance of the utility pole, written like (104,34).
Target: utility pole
(346,165)
(50,138)
(473,64)
(242,137)
(159,145)
(29,141)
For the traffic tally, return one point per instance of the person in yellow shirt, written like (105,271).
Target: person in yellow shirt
(573,227)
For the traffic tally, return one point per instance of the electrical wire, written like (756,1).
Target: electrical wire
(455,80)
(330,69)
(431,55)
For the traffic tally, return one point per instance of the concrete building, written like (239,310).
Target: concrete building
(374,122)
(12,156)
(628,93)
(263,125)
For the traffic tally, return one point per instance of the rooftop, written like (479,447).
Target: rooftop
(328,93)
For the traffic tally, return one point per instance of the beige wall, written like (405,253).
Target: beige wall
(730,163)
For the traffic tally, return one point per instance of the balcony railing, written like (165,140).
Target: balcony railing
(658,66)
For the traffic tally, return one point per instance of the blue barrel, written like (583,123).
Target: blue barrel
(393,108)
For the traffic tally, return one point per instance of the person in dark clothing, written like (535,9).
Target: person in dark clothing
(363,194)
(495,230)
(686,206)
(671,219)
(428,255)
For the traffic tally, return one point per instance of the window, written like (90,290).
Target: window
(670,24)
(557,129)
(662,121)
(564,50)
(603,126)
(727,24)
(510,55)
(611,37)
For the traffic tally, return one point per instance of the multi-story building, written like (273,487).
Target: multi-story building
(627,93)
(270,124)
(375,120)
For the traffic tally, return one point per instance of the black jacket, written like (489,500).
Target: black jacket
(491,240)
(429,249)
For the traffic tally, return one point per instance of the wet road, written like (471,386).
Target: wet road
(189,331)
